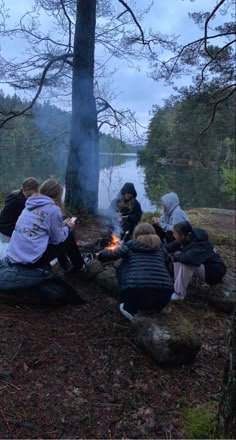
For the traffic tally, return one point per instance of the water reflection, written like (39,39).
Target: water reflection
(115,170)
(196,187)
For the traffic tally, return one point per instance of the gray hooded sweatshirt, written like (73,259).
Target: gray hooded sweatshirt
(173,214)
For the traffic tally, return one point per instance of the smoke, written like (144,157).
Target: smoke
(112,220)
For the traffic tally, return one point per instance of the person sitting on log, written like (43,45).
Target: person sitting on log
(14,205)
(171,214)
(192,254)
(143,275)
(41,235)
(125,211)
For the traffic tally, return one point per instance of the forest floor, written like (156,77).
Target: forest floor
(78,372)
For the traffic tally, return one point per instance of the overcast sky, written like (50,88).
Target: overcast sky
(136,90)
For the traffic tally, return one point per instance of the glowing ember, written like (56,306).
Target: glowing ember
(114,243)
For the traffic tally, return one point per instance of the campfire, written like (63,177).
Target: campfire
(109,242)
(114,243)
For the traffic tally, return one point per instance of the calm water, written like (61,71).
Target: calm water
(196,187)
(114,172)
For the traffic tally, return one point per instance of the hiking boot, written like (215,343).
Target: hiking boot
(88,259)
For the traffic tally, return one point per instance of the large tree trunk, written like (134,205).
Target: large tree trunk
(83,166)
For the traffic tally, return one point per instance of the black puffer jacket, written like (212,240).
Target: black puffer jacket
(13,207)
(141,266)
(200,251)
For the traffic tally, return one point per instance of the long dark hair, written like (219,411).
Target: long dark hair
(184,228)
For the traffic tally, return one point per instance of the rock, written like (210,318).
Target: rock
(171,342)
(95,269)
(108,281)
(222,296)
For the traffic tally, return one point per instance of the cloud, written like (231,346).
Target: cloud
(136,90)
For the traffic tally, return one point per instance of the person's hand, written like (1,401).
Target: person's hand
(69,222)
(155,221)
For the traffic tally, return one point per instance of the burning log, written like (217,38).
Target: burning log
(114,243)
(109,242)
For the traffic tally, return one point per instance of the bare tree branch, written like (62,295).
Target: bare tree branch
(69,26)
(216,104)
(40,87)
(206,25)
(134,18)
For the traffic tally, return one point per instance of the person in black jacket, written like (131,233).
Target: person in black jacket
(14,205)
(125,210)
(193,253)
(143,275)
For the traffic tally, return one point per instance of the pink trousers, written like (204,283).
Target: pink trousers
(183,275)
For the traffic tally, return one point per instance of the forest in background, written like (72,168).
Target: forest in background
(174,137)
(38,144)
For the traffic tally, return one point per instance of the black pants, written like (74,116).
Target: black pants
(145,299)
(165,237)
(63,251)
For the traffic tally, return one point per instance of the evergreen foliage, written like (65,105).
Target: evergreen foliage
(37,144)
(173,132)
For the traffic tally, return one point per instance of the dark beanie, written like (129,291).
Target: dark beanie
(128,188)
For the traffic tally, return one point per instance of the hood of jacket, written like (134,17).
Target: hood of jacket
(38,201)
(128,187)
(171,201)
(15,195)
(136,246)
(200,234)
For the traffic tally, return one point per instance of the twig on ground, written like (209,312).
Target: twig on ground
(18,350)
(5,421)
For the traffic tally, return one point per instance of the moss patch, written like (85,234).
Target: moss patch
(200,421)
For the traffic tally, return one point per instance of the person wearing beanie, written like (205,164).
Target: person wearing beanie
(14,205)
(126,210)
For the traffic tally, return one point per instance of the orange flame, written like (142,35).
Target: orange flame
(114,243)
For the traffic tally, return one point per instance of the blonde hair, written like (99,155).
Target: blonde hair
(145,234)
(53,189)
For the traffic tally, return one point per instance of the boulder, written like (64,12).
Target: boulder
(171,340)
(92,272)
(108,281)
(222,296)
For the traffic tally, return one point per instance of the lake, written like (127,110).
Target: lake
(115,170)
(196,187)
